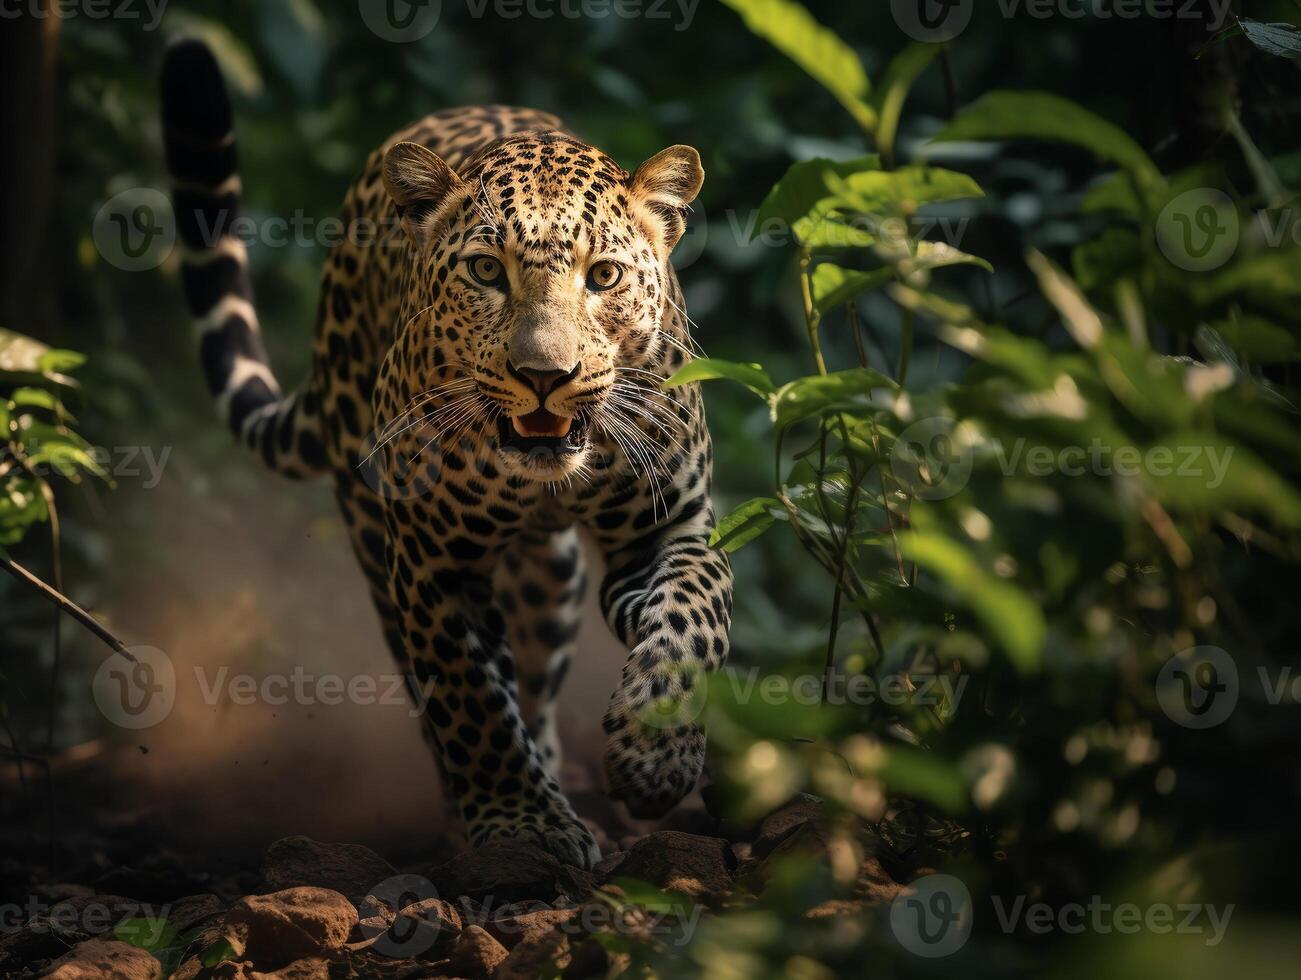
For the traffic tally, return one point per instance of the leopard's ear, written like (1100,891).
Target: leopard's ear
(666,184)
(419,181)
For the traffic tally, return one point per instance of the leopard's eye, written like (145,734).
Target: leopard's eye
(487,269)
(603,276)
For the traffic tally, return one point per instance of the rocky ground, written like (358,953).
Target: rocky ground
(318,910)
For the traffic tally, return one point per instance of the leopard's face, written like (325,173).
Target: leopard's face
(545,278)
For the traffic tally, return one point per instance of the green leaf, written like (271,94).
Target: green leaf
(840,391)
(1271,278)
(24,361)
(1201,473)
(218,952)
(20,353)
(802,186)
(637,892)
(834,286)
(56,361)
(1003,115)
(937,255)
(1114,193)
(921,774)
(709,368)
(746,523)
(21,505)
(34,398)
(1006,612)
(146,933)
(858,208)
(792,30)
(824,229)
(1257,339)
(887,192)
(1283,40)
(1081,319)
(888,100)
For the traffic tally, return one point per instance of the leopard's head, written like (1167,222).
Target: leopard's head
(542,272)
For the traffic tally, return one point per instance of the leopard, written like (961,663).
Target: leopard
(496,321)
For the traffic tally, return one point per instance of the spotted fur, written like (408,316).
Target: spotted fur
(509,277)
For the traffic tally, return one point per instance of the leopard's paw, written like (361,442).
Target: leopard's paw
(653,753)
(562,835)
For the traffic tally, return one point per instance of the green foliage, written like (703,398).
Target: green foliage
(1042,115)
(161,939)
(1041,535)
(819,51)
(38,440)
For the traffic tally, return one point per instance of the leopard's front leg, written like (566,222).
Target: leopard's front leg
(456,640)
(670,601)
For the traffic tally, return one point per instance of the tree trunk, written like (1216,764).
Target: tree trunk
(28,47)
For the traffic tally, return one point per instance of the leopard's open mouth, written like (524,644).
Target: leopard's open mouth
(541,431)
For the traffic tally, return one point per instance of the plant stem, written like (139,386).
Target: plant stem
(906,346)
(811,316)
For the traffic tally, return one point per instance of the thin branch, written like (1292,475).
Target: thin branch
(67,605)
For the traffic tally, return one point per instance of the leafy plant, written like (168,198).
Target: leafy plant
(1056,593)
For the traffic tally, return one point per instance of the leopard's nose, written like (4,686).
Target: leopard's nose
(543,382)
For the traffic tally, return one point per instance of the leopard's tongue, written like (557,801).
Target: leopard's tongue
(541,423)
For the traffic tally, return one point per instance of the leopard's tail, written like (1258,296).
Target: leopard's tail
(200,142)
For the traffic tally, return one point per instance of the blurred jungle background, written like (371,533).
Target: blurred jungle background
(1032,297)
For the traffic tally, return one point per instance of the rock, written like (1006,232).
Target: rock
(508,872)
(426,929)
(105,959)
(512,930)
(873,883)
(351,869)
(373,919)
(188,912)
(695,866)
(607,864)
(312,968)
(537,955)
(476,954)
(289,925)
(87,916)
(783,822)
(842,853)
(836,907)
